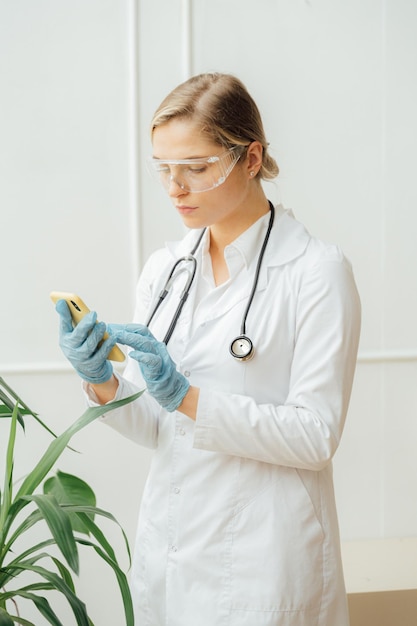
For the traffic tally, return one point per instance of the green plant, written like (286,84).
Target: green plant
(67,505)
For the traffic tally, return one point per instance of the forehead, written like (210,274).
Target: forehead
(181,139)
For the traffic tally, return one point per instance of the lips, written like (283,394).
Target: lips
(185,209)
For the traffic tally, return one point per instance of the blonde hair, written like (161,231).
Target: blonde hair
(220,105)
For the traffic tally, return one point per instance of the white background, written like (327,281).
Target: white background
(336,85)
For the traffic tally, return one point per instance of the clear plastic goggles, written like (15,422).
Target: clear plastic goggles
(196,175)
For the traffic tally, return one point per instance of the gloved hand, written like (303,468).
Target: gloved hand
(162,379)
(80,345)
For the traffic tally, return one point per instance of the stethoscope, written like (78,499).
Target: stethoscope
(241,347)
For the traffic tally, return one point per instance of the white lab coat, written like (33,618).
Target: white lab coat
(238,523)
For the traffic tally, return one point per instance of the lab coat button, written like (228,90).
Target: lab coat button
(187,373)
(177,490)
(173,548)
(182,432)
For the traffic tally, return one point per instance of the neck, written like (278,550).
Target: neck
(221,235)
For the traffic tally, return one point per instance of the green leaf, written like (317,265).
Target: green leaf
(8,474)
(21,620)
(16,398)
(9,398)
(13,568)
(5,547)
(58,518)
(65,573)
(97,533)
(57,446)
(78,607)
(60,526)
(7,408)
(121,579)
(43,586)
(69,489)
(42,605)
(5,619)
(53,452)
(86,513)
(7,411)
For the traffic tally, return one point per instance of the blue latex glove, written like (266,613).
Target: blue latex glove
(80,345)
(164,382)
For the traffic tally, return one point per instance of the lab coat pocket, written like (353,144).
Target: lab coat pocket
(277,551)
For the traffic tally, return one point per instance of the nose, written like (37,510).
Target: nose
(174,188)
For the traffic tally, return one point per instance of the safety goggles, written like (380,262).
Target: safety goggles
(196,175)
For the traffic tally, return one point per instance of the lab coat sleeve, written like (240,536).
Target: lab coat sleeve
(137,420)
(305,430)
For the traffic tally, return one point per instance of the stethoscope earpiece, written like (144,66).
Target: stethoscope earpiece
(241,348)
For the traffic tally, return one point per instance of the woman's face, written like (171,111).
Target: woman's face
(223,205)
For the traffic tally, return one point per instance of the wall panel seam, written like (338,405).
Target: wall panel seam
(56,367)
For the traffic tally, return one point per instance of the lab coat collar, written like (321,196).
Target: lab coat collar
(288,240)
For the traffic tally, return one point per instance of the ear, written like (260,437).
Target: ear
(254,158)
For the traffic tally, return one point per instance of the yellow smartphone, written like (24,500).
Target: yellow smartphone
(78,309)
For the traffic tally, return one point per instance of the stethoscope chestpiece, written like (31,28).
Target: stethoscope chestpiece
(241,348)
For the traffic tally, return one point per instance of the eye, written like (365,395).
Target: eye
(198,168)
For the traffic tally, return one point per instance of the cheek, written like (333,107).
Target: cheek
(223,200)
(219,204)
(233,189)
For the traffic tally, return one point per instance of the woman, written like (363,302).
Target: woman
(238,522)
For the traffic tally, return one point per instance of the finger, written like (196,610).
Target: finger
(88,322)
(150,361)
(140,329)
(137,329)
(105,348)
(65,319)
(77,336)
(93,338)
(83,330)
(133,340)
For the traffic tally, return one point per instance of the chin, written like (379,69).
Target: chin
(193,221)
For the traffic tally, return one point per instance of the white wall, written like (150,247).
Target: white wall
(335,82)
(67,206)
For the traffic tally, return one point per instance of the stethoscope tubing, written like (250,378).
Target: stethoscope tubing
(258,268)
(244,344)
(184,294)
